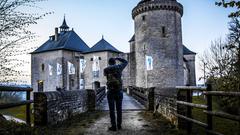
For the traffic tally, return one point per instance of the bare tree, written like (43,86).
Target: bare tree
(221,62)
(14,34)
(218,60)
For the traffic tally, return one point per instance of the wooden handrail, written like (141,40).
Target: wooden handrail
(213,132)
(192,104)
(11,105)
(193,120)
(17,89)
(222,93)
(27,102)
(223,115)
(193,88)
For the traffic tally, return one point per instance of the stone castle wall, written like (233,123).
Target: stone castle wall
(40,70)
(88,72)
(166,50)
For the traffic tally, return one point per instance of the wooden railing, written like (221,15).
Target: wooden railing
(140,95)
(100,94)
(206,108)
(27,102)
(145,96)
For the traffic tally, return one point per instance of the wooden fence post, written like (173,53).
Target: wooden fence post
(189,112)
(28,109)
(151,99)
(209,109)
(91,99)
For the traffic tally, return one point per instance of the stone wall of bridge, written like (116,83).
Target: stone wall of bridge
(161,100)
(56,106)
(165,103)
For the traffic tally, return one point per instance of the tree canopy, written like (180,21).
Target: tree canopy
(230,4)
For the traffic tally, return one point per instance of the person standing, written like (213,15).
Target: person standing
(115,94)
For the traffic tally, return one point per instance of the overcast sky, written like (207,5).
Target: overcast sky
(202,22)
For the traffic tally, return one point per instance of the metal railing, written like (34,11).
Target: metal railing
(27,102)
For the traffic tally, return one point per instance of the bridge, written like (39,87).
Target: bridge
(141,109)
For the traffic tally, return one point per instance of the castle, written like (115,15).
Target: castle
(157,56)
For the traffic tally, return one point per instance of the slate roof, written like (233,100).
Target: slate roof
(186,51)
(68,40)
(101,46)
(64,24)
(132,39)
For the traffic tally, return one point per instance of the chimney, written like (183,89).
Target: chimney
(56,34)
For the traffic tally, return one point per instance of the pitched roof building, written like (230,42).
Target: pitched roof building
(66,62)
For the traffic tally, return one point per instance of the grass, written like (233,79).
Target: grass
(224,126)
(17,112)
(76,125)
(162,125)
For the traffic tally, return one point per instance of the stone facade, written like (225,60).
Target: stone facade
(103,63)
(56,106)
(158,34)
(190,74)
(41,63)
(53,107)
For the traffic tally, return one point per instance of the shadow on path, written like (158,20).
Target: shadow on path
(129,103)
(135,121)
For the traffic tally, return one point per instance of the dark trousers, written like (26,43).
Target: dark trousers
(115,98)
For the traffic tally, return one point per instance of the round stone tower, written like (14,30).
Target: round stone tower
(158,35)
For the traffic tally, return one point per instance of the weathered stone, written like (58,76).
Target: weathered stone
(53,107)
(166,103)
(158,33)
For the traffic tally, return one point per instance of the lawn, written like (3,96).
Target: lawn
(73,126)
(17,112)
(224,126)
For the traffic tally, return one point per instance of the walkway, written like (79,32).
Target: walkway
(133,124)
(129,103)
(135,121)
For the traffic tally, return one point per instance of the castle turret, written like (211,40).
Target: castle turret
(158,43)
(64,27)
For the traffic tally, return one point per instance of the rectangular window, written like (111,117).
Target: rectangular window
(143,18)
(163,31)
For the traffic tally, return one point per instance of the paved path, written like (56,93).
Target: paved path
(129,103)
(136,121)
(133,124)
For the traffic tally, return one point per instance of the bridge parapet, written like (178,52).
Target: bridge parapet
(56,106)
(143,95)
(165,99)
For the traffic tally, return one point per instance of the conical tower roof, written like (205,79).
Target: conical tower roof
(64,25)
